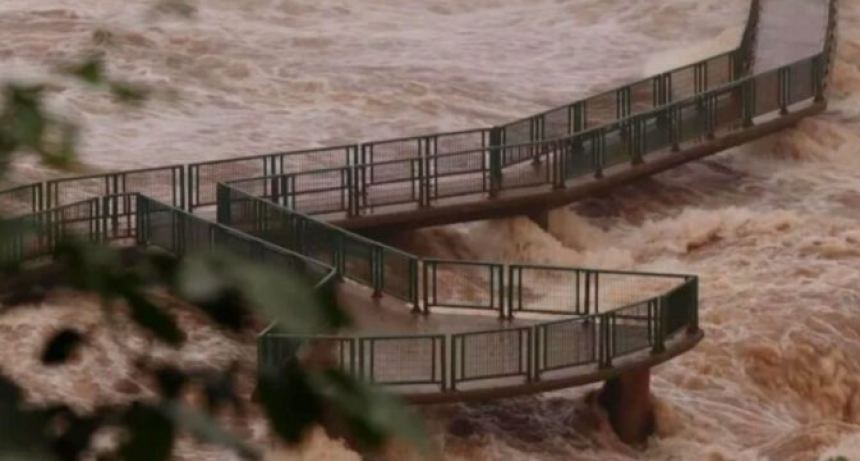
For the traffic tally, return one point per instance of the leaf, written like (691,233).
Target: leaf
(206,429)
(22,435)
(151,317)
(290,403)
(151,435)
(61,347)
(77,436)
(91,70)
(372,416)
(28,122)
(170,381)
(129,93)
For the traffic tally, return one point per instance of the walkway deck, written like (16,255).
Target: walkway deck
(483,330)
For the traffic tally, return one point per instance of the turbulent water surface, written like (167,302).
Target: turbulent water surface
(773,227)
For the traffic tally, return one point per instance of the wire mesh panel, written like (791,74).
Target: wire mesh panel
(64,191)
(239,210)
(277,350)
(728,107)
(566,343)
(396,183)
(682,83)
(164,184)
(681,306)
(359,258)
(632,328)
(458,141)
(720,71)
(203,177)
(388,161)
(557,123)
(312,159)
(801,81)
(552,290)
(319,191)
(158,224)
(534,173)
(21,200)
(37,235)
(521,132)
(465,284)
(579,159)
(656,132)
(399,276)
(196,235)
(457,174)
(643,96)
(322,242)
(613,289)
(120,216)
(403,360)
(601,110)
(691,117)
(616,148)
(767,92)
(491,354)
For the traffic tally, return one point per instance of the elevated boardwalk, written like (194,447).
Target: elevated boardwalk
(442,331)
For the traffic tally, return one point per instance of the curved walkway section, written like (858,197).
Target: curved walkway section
(437,330)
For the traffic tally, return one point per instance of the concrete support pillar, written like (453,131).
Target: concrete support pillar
(541,218)
(627,400)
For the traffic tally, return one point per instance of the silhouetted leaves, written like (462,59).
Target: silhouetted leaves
(75,432)
(205,429)
(22,436)
(290,403)
(170,381)
(90,70)
(371,415)
(61,347)
(150,435)
(154,319)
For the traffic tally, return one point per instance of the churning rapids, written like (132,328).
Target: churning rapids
(773,227)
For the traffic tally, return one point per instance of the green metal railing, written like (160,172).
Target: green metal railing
(610,314)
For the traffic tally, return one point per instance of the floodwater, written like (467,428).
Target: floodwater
(772,227)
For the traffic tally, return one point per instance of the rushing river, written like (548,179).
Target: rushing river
(773,227)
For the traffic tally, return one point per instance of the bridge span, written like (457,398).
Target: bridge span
(438,331)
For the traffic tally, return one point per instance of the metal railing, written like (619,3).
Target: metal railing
(613,315)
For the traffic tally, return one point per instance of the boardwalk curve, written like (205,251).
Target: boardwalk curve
(476,329)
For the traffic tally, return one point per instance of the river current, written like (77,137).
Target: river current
(772,227)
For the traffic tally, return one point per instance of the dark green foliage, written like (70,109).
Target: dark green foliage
(228,290)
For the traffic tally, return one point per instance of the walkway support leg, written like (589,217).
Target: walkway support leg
(627,400)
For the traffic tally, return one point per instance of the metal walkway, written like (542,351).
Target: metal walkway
(436,330)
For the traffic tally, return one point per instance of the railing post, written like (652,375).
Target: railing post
(748,90)
(605,340)
(694,304)
(784,88)
(512,271)
(819,78)
(495,161)
(656,312)
(711,116)
(597,151)
(425,272)
(377,264)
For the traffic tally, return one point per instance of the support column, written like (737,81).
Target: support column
(541,218)
(627,400)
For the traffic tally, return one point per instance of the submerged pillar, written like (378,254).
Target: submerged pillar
(627,400)
(541,218)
